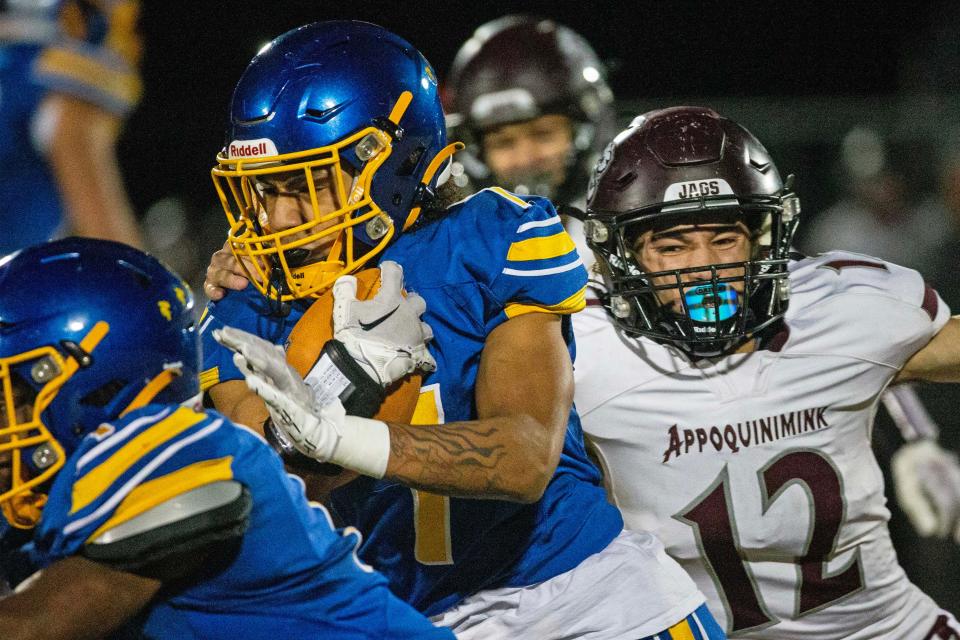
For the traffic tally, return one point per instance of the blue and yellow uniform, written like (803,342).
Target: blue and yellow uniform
(291,575)
(491,257)
(88,50)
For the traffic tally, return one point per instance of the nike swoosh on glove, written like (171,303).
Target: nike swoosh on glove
(384,334)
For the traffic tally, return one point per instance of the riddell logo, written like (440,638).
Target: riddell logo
(251,148)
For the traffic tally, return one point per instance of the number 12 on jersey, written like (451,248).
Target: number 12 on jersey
(714,524)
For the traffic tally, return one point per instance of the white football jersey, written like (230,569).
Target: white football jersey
(756,470)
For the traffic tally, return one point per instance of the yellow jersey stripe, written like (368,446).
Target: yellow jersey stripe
(209,378)
(150,494)
(681,631)
(573,304)
(99,479)
(520,202)
(542,248)
(124,87)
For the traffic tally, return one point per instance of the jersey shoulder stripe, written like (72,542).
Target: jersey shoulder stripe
(573,304)
(158,490)
(541,247)
(93,480)
(109,500)
(503,193)
(543,271)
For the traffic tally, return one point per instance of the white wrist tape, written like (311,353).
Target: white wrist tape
(364,446)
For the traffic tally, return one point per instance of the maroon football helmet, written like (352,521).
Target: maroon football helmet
(518,68)
(683,166)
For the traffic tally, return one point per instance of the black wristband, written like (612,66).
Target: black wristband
(296,461)
(364,395)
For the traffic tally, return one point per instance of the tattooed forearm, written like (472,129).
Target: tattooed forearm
(480,459)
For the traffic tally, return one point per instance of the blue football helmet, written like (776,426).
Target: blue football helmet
(89,330)
(346,100)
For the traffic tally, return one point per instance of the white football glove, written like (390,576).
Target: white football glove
(927,482)
(324,433)
(383,334)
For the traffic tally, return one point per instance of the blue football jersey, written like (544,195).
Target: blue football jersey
(89,52)
(491,257)
(294,576)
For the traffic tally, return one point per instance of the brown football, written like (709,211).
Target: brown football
(313,330)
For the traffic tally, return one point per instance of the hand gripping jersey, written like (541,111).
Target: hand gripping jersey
(755,470)
(491,257)
(87,51)
(127,494)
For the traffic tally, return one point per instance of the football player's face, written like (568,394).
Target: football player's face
(535,150)
(285,203)
(689,246)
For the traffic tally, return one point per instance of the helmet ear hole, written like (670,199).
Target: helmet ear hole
(103,395)
(410,163)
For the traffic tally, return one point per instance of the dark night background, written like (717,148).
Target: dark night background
(195,51)
(798,74)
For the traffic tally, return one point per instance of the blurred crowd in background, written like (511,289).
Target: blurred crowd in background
(861,104)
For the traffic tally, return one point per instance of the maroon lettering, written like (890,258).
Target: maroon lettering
(716,439)
(674,446)
(701,438)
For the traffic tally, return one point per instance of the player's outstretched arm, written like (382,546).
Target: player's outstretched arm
(524,392)
(926,476)
(939,360)
(74,598)
(81,150)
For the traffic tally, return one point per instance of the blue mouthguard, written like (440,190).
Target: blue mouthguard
(709,302)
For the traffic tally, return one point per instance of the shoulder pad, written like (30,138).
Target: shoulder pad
(190,521)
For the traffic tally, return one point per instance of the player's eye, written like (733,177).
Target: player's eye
(668,248)
(727,240)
